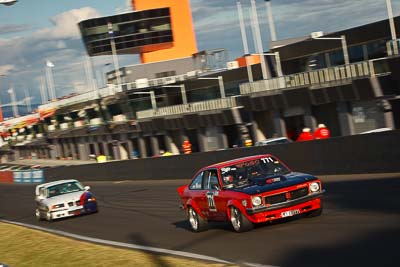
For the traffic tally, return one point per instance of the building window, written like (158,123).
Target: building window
(356,53)
(165,74)
(336,57)
(377,49)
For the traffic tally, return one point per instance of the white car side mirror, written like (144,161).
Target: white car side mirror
(87,188)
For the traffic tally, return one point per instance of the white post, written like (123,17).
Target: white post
(28,100)
(42,90)
(153,100)
(221,86)
(278,64)
(48,84)
(183,93)
(392,26)
(13,102)
(270,20)
(258,39)
(52,86)
(244,40)
(345,52)
(114,55)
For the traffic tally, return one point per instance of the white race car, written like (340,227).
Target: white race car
(62,199)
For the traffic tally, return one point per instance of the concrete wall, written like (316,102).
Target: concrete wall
(369,153)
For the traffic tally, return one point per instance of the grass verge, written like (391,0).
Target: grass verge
(21,246)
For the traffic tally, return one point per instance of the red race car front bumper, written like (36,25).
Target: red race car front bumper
(287,209)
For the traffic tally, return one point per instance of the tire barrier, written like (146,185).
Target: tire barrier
(29,176)
(356,154)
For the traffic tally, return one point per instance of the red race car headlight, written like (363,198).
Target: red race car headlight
(256,201)
(314,187)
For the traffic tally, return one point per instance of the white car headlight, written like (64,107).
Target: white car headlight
(57,206)
(256,201)
(314,187)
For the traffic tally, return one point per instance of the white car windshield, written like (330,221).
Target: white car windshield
(65,188)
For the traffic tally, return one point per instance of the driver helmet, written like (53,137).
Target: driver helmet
(228,179)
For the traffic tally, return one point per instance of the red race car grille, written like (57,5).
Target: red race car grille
(280,198)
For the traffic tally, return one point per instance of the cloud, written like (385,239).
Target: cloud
(217,23)
(23,57)
(126,8)
(13,28)
(6,69)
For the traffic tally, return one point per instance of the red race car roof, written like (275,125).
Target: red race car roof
(238,160)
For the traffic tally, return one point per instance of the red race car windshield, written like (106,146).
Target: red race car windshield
(247,172)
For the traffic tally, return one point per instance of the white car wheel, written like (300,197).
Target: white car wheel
(48,216)
(37,214)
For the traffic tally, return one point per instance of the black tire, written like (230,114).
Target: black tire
(315,213)
(239,222)
(197,223)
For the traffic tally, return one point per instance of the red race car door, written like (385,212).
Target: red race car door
(212,190)
(197,192)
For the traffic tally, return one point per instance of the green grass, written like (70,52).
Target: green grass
(21,246)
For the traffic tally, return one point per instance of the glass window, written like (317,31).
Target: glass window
(336,58)
(356,53)
(211,179)
(377,49)
(197,182)
(64,188)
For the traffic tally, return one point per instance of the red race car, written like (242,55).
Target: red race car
(249,190)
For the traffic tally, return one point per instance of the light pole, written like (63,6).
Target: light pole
(220,82)
(43,94)
(270,20)
(344,46)
(257,38)
(28,100)
(279,71)
(50,81)
(104,74)
(392,26)
(152,98)
(13,102)
(183,91)
(244,39)
(114,54)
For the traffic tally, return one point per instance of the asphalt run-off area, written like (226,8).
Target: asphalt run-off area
(360,225)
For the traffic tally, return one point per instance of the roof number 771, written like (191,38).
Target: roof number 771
(266,160)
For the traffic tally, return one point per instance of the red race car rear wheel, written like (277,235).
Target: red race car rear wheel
(197,223)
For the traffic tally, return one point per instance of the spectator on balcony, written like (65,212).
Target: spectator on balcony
(322,132)
(305,135)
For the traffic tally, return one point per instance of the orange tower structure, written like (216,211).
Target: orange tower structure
(182,29)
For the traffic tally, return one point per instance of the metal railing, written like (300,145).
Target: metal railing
(215,104)
(316,78)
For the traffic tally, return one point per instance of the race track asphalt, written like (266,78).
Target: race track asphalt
(360,225)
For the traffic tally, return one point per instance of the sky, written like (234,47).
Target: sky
(33,31)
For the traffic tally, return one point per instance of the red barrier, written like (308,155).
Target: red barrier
(6,177)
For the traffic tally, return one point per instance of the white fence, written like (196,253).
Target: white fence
(311,78)
(221,103)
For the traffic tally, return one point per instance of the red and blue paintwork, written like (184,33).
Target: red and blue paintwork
(89,203)
(223,199)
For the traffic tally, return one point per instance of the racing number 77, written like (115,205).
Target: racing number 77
(211,202)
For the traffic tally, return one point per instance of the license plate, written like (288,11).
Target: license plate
(290,213)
